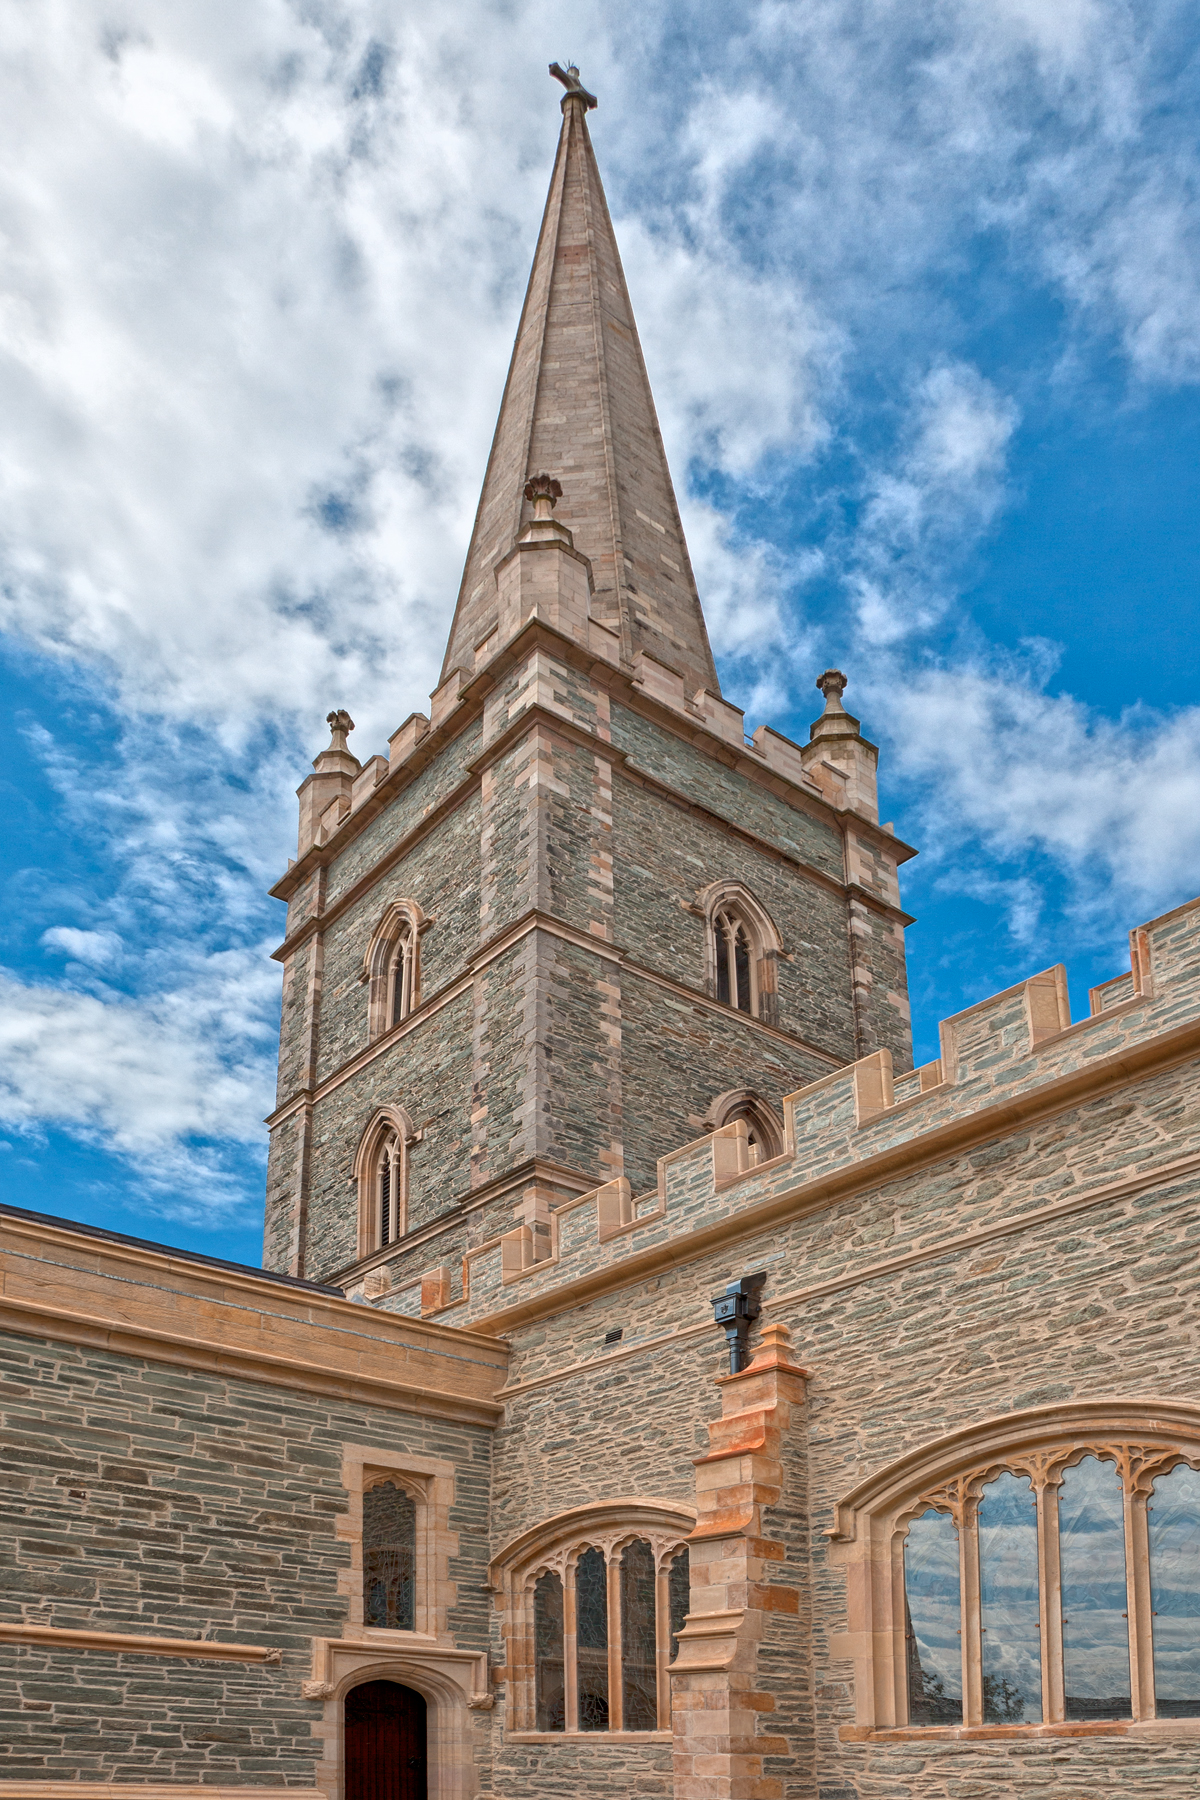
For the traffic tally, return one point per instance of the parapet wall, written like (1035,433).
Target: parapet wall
(1007,1056)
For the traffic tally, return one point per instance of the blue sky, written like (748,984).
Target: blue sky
(918,290)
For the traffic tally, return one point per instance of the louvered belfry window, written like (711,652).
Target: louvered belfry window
(391,1191)
(389,1557)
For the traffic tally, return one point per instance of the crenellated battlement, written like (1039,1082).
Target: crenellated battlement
(1013,1054)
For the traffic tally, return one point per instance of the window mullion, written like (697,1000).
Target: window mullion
(1050,1603)
(570,1649)
(662,1641)
(616,1694)
(972,1647)
(1137,1588)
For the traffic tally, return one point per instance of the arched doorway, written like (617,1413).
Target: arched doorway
(384,1742)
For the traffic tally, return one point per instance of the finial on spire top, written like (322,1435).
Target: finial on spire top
(832,684)
(545,493)
(575,88)
(339,724)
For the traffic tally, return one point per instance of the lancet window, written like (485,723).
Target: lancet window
(402,975)
(1057,1588)
(734,960)
(382,1170)
(764,1133)
(392,966)
(389,1547)
(743,950)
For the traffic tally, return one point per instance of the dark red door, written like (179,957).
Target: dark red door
(385,1742)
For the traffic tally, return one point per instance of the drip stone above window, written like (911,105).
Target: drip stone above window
(392,966)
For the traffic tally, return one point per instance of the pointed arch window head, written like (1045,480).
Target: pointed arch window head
(381,1168)
(743,949)
(764,1130)
(392,966)
(735,982)
(402,975)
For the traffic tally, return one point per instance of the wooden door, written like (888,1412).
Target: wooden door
(384,1743)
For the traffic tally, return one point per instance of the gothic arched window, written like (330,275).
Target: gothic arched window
(1053,1578)
(598,1616)
(392,966)
(389,1550)
(743,950)
(382,1171)
(402,976)
(733,957)
(764,1133)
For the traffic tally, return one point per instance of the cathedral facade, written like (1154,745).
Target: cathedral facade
(655,1385)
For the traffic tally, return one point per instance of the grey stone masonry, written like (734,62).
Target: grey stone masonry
(156,1500)
(567,1028)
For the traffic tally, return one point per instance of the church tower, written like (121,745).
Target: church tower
(575,917)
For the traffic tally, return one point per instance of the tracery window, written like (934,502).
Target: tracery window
(402,975)
(389,1545)
(1036,1570)
(743,950)
(1062,1588)
(596,1617)
(609,1684)
(392,966)
(732,951)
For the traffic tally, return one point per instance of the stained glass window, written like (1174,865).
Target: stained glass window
(1173,1520)
(679,1597)
(591,1639)
(548,1664)
(1091,1539)
(931,1626)
(1009,1602)
(639,1660)
(389,1557)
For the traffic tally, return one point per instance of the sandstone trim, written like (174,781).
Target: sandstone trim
(121,1643)
(512,935)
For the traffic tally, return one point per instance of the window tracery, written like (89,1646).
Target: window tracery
(593,1616)
(392,966)
(1052,1582)
(743,949)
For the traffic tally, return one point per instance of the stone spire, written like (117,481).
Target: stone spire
(577,403)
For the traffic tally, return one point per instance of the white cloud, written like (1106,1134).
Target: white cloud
(164,1083)
(97,948)
(262,268)
(1114,803)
